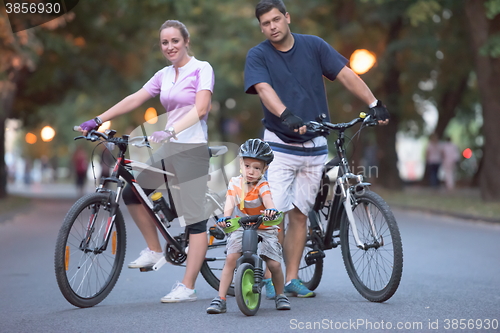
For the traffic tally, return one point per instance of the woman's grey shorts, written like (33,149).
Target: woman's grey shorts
(269,246)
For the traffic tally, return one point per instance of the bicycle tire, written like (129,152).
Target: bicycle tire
(310,275)
(215,258)
(86,278)
(247,300)
(375,272)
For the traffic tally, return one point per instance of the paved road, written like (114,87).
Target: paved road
(451,272)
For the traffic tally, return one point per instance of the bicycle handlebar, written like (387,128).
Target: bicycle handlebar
(108,136)
(324,126)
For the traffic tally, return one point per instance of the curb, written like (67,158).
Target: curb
(448,213)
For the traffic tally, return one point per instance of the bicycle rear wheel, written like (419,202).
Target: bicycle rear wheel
(85,272)
(310,273)
(376,271)
(215,258)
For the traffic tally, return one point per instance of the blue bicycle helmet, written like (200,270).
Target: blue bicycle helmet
(258,149)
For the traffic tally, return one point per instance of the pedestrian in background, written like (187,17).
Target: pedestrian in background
(434,158)
(80,165)
(451,156)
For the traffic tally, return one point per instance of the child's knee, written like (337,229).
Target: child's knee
(273,265)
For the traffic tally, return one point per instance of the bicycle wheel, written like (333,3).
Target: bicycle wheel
(310,271)
(247,300)
(215,258)
(375,271)
(85,272)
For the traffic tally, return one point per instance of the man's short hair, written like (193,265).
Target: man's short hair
(265,6)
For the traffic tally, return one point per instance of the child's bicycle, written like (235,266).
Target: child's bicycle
(90,247)
(347,213)
(249,267)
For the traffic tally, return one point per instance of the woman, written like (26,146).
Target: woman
(185,90)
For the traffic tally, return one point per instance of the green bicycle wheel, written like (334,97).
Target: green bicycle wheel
(248,301)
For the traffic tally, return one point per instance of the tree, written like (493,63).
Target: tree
(484,22)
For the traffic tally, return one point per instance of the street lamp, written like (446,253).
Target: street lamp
(362,60)
(151,116)
(47,133)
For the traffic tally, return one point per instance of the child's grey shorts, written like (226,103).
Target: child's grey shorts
(269,246)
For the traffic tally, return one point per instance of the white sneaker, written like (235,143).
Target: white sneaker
(179,293)
(147,258)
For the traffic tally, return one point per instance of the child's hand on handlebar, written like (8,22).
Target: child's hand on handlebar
(270,213)
(221,222)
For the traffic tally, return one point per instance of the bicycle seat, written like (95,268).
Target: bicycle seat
(217,150)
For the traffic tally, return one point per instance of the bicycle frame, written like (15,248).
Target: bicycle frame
(342,190)
(121,170)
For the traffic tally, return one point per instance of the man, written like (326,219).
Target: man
(286,71)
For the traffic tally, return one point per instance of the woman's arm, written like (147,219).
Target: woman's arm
(200,109)
(126,105)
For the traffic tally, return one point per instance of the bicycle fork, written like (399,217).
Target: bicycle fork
(346,193)
(249,246)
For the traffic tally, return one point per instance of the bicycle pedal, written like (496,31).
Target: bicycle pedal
(216,232)
(146,268)
(313,255)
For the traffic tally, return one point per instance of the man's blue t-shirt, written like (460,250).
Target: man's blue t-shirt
(297,78)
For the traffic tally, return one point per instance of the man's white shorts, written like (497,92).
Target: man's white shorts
(294,180)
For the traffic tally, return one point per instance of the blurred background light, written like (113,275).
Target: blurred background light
(362,60)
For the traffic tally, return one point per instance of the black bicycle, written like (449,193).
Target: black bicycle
(347,213)
(90,247)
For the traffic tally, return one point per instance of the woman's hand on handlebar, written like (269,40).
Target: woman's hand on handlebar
(88,126)
(159,136)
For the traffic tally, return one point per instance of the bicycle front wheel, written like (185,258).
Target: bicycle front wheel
(247,300)
(376,270)
(86,270)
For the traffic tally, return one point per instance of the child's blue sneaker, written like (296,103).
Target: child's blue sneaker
(270,292)
(297,288)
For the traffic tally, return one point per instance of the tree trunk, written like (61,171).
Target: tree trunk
(7,94)
(448,103)
(488,72)
(3,167)
(386,136)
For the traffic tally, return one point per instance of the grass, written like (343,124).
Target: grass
(460,202)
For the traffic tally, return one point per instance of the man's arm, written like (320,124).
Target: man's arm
(358,88)
(270,99)
(355,85)
(274,104)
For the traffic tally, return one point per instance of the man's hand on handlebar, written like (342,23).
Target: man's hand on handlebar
(293,122)
(379,112)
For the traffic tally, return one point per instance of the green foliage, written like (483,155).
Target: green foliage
(492,8)
(491,47)
(421,11)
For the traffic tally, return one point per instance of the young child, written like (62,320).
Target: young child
(249,194)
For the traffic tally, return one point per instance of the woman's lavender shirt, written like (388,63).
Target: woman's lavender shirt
(178,97)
